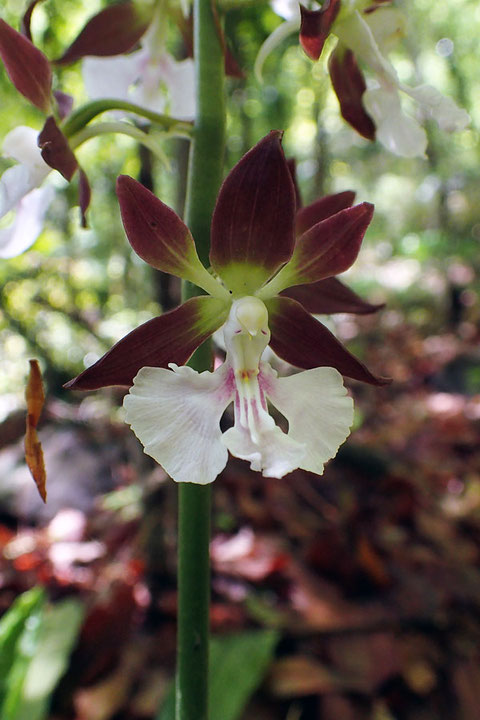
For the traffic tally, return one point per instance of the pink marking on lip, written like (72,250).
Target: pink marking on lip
(254,407)
(262,399)
(264,332)
(264,382)
(237,331)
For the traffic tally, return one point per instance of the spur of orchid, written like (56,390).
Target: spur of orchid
(257,263)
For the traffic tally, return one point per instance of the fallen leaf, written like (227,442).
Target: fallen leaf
(35,398)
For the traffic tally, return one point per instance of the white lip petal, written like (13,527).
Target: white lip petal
(275,455)
(288,9)
(318,410)
(112,77)
(21,145)
(176,416)
(179,77)
(28,223)
(15,183)
(449,116)
(398,132)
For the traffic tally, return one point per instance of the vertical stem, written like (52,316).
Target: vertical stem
(204,178)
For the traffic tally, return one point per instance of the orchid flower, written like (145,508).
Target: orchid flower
(176,412)
(21,193)
(149,77)
(366,31)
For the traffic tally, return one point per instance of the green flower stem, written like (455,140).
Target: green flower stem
(118,127)
(81,117)
(205,169)
(204,177)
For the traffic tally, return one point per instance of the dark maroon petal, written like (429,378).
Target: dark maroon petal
(349,85)
(27,19)
(55,149)
(64,103)
(330,296)
(113,31)
(27,67)
(155,231)
(170,338)
(332,245)
(253,220)
(321,209)
(302,341)
(84,196)
(315,27)
(327,249)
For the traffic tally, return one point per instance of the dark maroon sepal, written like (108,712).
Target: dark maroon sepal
(253,220)
(302,341)
(113,31)
(84,196)
(349,85)
(329,296)
(26,21)
(331,246)
(55,149)
(154,230)
(170,338)
(321,209)
(27,67)
(315,27)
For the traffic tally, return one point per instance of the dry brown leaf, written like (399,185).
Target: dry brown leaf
(300,675)
(35,398)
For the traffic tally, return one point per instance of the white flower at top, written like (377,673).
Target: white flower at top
(369,36)
(20,192)
(149,77)
(366,30)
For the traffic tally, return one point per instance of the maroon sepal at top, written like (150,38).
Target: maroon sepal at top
(27,20)
(315,27)
(253,220)
(170,338)
(302,341)
(349,85)
(113,31)
(27,67)
(329,296)
(55,149)
(321,209)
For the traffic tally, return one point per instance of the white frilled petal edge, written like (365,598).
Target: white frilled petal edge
(176,416)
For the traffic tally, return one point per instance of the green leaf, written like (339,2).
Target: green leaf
(19,632)
(60,626)
(238,664)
